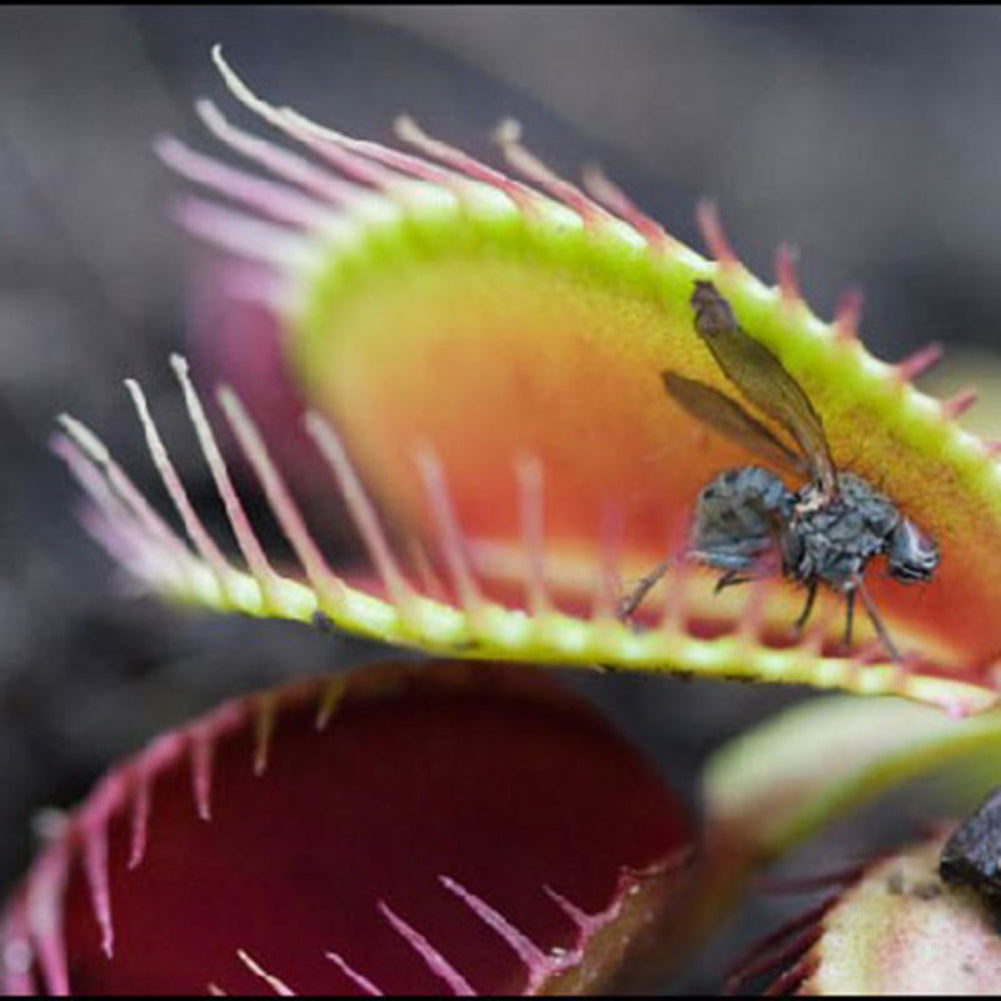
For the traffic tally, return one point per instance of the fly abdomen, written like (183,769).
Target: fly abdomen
(737,517)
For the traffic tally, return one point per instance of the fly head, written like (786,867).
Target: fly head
(912,555)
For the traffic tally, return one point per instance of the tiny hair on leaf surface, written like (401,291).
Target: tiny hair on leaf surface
(481,355)
(403,829)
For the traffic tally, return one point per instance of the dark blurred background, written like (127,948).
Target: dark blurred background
(869,138)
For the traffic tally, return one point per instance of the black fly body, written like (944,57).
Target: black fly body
(824,533)
(972,854)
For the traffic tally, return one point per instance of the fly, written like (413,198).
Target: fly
(747,522)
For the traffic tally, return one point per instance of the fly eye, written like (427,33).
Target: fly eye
(912,555)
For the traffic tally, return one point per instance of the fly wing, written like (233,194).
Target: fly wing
(730,419)
(760,377)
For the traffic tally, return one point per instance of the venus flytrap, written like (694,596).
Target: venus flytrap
(404,829)
(479,358)
(553,310)
(891,925)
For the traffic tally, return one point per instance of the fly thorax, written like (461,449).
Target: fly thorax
(838,534)
(809,500)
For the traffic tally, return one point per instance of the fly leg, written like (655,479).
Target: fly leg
(884,636)
(729,579)
(849,617)
(633,600)
(804,616)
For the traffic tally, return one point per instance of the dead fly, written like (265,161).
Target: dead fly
(747,522)
(972,855)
